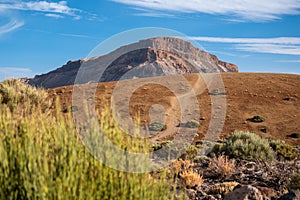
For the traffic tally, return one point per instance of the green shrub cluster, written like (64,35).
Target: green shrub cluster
(295,182)
(285,150)
(192,124)
(257,119)
(156,126)
(42,157)
(14,93)
(248,145)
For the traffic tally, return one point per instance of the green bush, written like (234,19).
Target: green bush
(285,150)
(156,126)
(248,145)
(295,182)
(257,119)
(14,93)
(42,157)
(192,124)
(191,152)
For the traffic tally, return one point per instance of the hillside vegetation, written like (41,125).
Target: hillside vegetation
(42,156)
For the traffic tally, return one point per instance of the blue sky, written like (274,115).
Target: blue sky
(257,35)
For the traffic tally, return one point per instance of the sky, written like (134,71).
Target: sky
(257,35)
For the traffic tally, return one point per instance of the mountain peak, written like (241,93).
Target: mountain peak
(159,56)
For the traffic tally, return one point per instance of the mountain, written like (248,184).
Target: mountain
(147,58)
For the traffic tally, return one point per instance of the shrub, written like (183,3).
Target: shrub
(158,146)
(42,157)
(257,119)
(14,93)
(156,126)
(180,165)
(248,146)
(285,150)
(295,182)
(191,152)
(192,124)
(191,179)
(222,166)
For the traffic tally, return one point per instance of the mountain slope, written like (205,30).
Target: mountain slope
(275,97)
(146,58)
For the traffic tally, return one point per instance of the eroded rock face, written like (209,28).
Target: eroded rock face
(146,58)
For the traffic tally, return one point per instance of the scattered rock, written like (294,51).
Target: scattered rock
(288,99)
(264,130)
(294,135)
(292,195)
(244,193)
(267,192)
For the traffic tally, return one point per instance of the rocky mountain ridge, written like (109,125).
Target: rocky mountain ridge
(146,58)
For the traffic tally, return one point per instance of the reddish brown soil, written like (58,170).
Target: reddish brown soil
(247,95)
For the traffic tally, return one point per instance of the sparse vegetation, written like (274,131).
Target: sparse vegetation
(222,166)
(295,182)
(191,178)
(216,92)
(42,156)
(192,124)
(156,126)
(180,165)
(248,145)
(160,145)
(14,93)
(287,151)
(191,152)
(256,119)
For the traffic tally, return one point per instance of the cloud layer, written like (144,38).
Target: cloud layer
(280,45)
(10,26)
(11,72)
(255,10)
(52,9)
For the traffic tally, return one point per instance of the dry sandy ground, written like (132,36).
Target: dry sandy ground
(275,97)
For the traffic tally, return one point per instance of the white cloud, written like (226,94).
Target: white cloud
(280,45)
(11,72)
(56,16)
(10,26)
(42,6)
(289,61)
(255,10)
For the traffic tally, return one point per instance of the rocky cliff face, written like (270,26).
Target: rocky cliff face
(146,58)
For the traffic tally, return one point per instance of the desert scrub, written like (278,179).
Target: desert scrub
(191,152)
(42,157)
(257,119)
(248,145)
(191,179)
(221,166)
(156,126)
(14,93)
(295,182)
(192,124)
(285,150)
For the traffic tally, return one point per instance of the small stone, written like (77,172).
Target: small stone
(244,193)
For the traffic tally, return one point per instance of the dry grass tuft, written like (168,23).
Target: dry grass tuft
(191,178)
(222,166)
(181,165)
